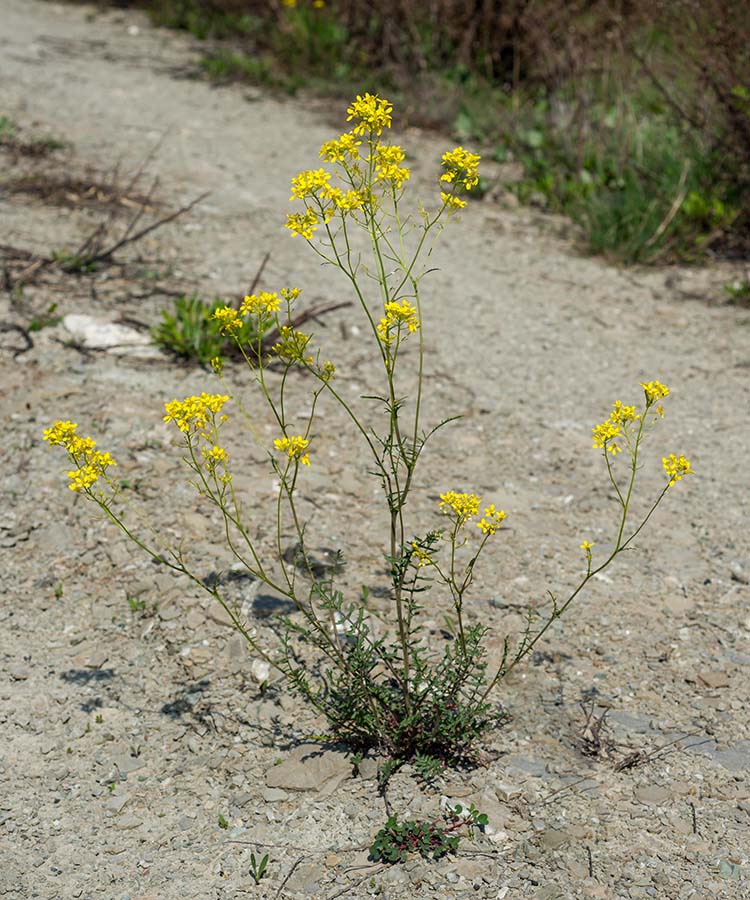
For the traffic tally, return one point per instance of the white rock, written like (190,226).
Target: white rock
(102,334)
(260,670)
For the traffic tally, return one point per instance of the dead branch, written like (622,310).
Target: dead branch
(11,326)
(107,253)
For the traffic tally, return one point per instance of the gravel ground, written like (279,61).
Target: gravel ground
(131,724)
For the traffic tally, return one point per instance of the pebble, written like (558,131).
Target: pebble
(507,791)
(652,794)
(553,838)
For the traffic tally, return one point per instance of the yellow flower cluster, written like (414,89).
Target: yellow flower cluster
(193,413)
(214,455)
(676,467)
(291,345)
(294,447)
(229,320)
(91,464)
(387,160)
(463,506)
(621,414)
(452,202)
(461,167)
(605,434)
(341,150)
(303,224)
(654,391)
(346,201)
(604,437)
(397,313)
(492,519)
(308,183)
(373,113)
(61,433)
(328,371)
(260,304)
(423,558)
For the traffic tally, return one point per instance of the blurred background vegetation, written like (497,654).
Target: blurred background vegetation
(632,117)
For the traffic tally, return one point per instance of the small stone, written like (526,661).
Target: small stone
(652,794)
(714,680)
(507,791)
(729,870)
(169,612)
(738,573)
(274,795)
(195,619)
(127,763)
(368,768)
(549,892)
(19,673)
(681,825)
(116,803)
(554,838)
(332,860)
(260,670)
(470,867)
(216,613)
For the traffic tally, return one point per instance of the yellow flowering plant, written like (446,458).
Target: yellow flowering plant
(386,687)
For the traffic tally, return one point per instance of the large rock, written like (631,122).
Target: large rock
(310,767)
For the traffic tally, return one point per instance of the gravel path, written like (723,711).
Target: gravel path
(131,725)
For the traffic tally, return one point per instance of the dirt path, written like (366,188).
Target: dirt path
(127,732)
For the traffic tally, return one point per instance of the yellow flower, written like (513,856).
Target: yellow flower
(654,391)
(461,167)
(306,184)
(341,150)
(328,371)
(452,202)
(260,304)
(290,294)
(676,467)
(291,345)
(60,433)
(387,161)
(463,506)
(345,201)
(214,455)
(294,447)
(604,436)
(423,558)
(492,519)
(303,223)
(397,313)
(90,463)
(374,114)
(621,414)
(229,320)
(193,413)
(217,364)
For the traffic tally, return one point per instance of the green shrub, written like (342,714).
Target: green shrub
(189,330)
